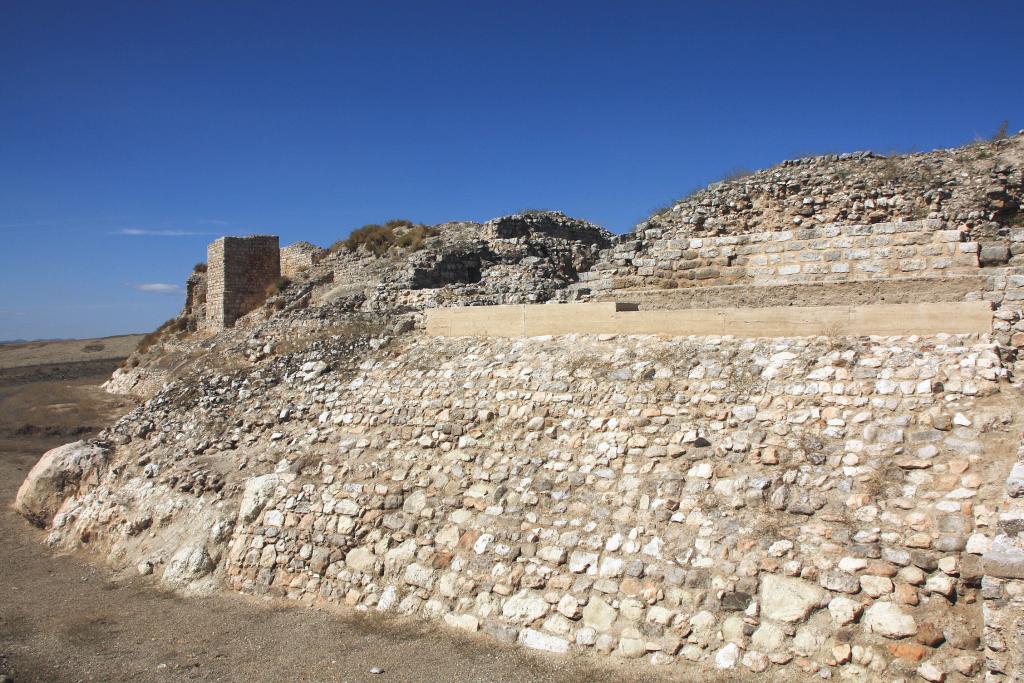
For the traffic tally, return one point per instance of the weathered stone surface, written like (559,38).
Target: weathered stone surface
(256,494)
(1015,482)
(466,622)
(768,637)
(887,619)
(598,614)
(539,640)
(54,477)
(993,254)
(361,559)
(189,563)
(787,599)
(693,501)
(524,607)
(840,581)
(727,657)
(1005,559)
(931,671)
(844,610)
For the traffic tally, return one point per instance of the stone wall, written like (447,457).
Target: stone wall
(910,261)
(195,298)
(1003,582)
(550,224)
(831,253)
(300,257)
(977,187)
(239,270)
(799,505)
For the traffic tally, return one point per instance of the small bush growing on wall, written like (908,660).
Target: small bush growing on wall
(278,286)
(413,238)
(172,326)
(378,239)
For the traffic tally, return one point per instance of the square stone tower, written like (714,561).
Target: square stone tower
(239,270)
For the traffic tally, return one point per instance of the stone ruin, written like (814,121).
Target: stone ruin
(810,503)
(299,257)
(239,271)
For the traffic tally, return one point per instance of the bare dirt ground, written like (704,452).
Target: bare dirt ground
(69,618)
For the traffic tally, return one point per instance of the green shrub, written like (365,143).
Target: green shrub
(199,267)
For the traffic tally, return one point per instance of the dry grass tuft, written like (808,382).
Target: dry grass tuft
(379,239)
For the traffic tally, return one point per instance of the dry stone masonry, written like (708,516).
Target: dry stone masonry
(807,503)
(740,504)
(832,253)
(1003,583)
(523,258)
(300,257)
(976,188)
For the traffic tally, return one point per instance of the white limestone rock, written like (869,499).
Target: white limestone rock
(538,640)
(190,563)
(256,495)
(789,599)
(598,614)
(887,619)
(727,656)
(844,610)
(54,477)
(525,606)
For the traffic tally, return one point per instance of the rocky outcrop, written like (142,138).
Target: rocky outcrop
(56,477)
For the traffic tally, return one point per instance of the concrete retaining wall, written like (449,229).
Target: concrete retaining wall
(620,318)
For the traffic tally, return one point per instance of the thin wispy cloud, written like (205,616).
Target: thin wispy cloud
(65,225)
(157,288)
(4,313)
(146,232)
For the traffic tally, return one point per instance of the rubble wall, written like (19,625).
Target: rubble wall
(299,257)
(751,505)
(1003,584)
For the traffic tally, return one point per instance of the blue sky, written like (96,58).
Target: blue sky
(133,133)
